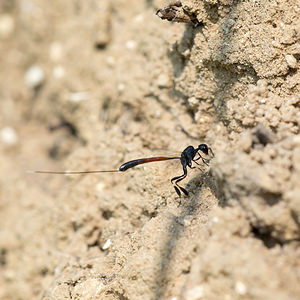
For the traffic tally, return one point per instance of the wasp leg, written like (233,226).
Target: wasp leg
(204,160)
(198,165)
(177,187)
(177,190)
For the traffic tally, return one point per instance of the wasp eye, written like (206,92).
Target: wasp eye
(203,148)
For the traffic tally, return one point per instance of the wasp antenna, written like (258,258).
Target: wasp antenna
(212,153)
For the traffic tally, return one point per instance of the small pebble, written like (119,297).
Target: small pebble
(139,18)
(296,141)
(121,87)
(8,135)
(34,76)
(7,25)
(215,219)
(202,119)
(9,275)
(56,51)
(186,53)
(240,288)
(291,61)
(216,103)
(193,101)
(130,45)
(187,221)
(58,72)
(56,270)
(106,245)
(100,187)
(110,60)
(195,293)
(163,81)
(79,96)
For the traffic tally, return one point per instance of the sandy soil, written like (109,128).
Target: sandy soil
(90,84)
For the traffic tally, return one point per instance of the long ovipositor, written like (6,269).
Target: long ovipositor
(133,163)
